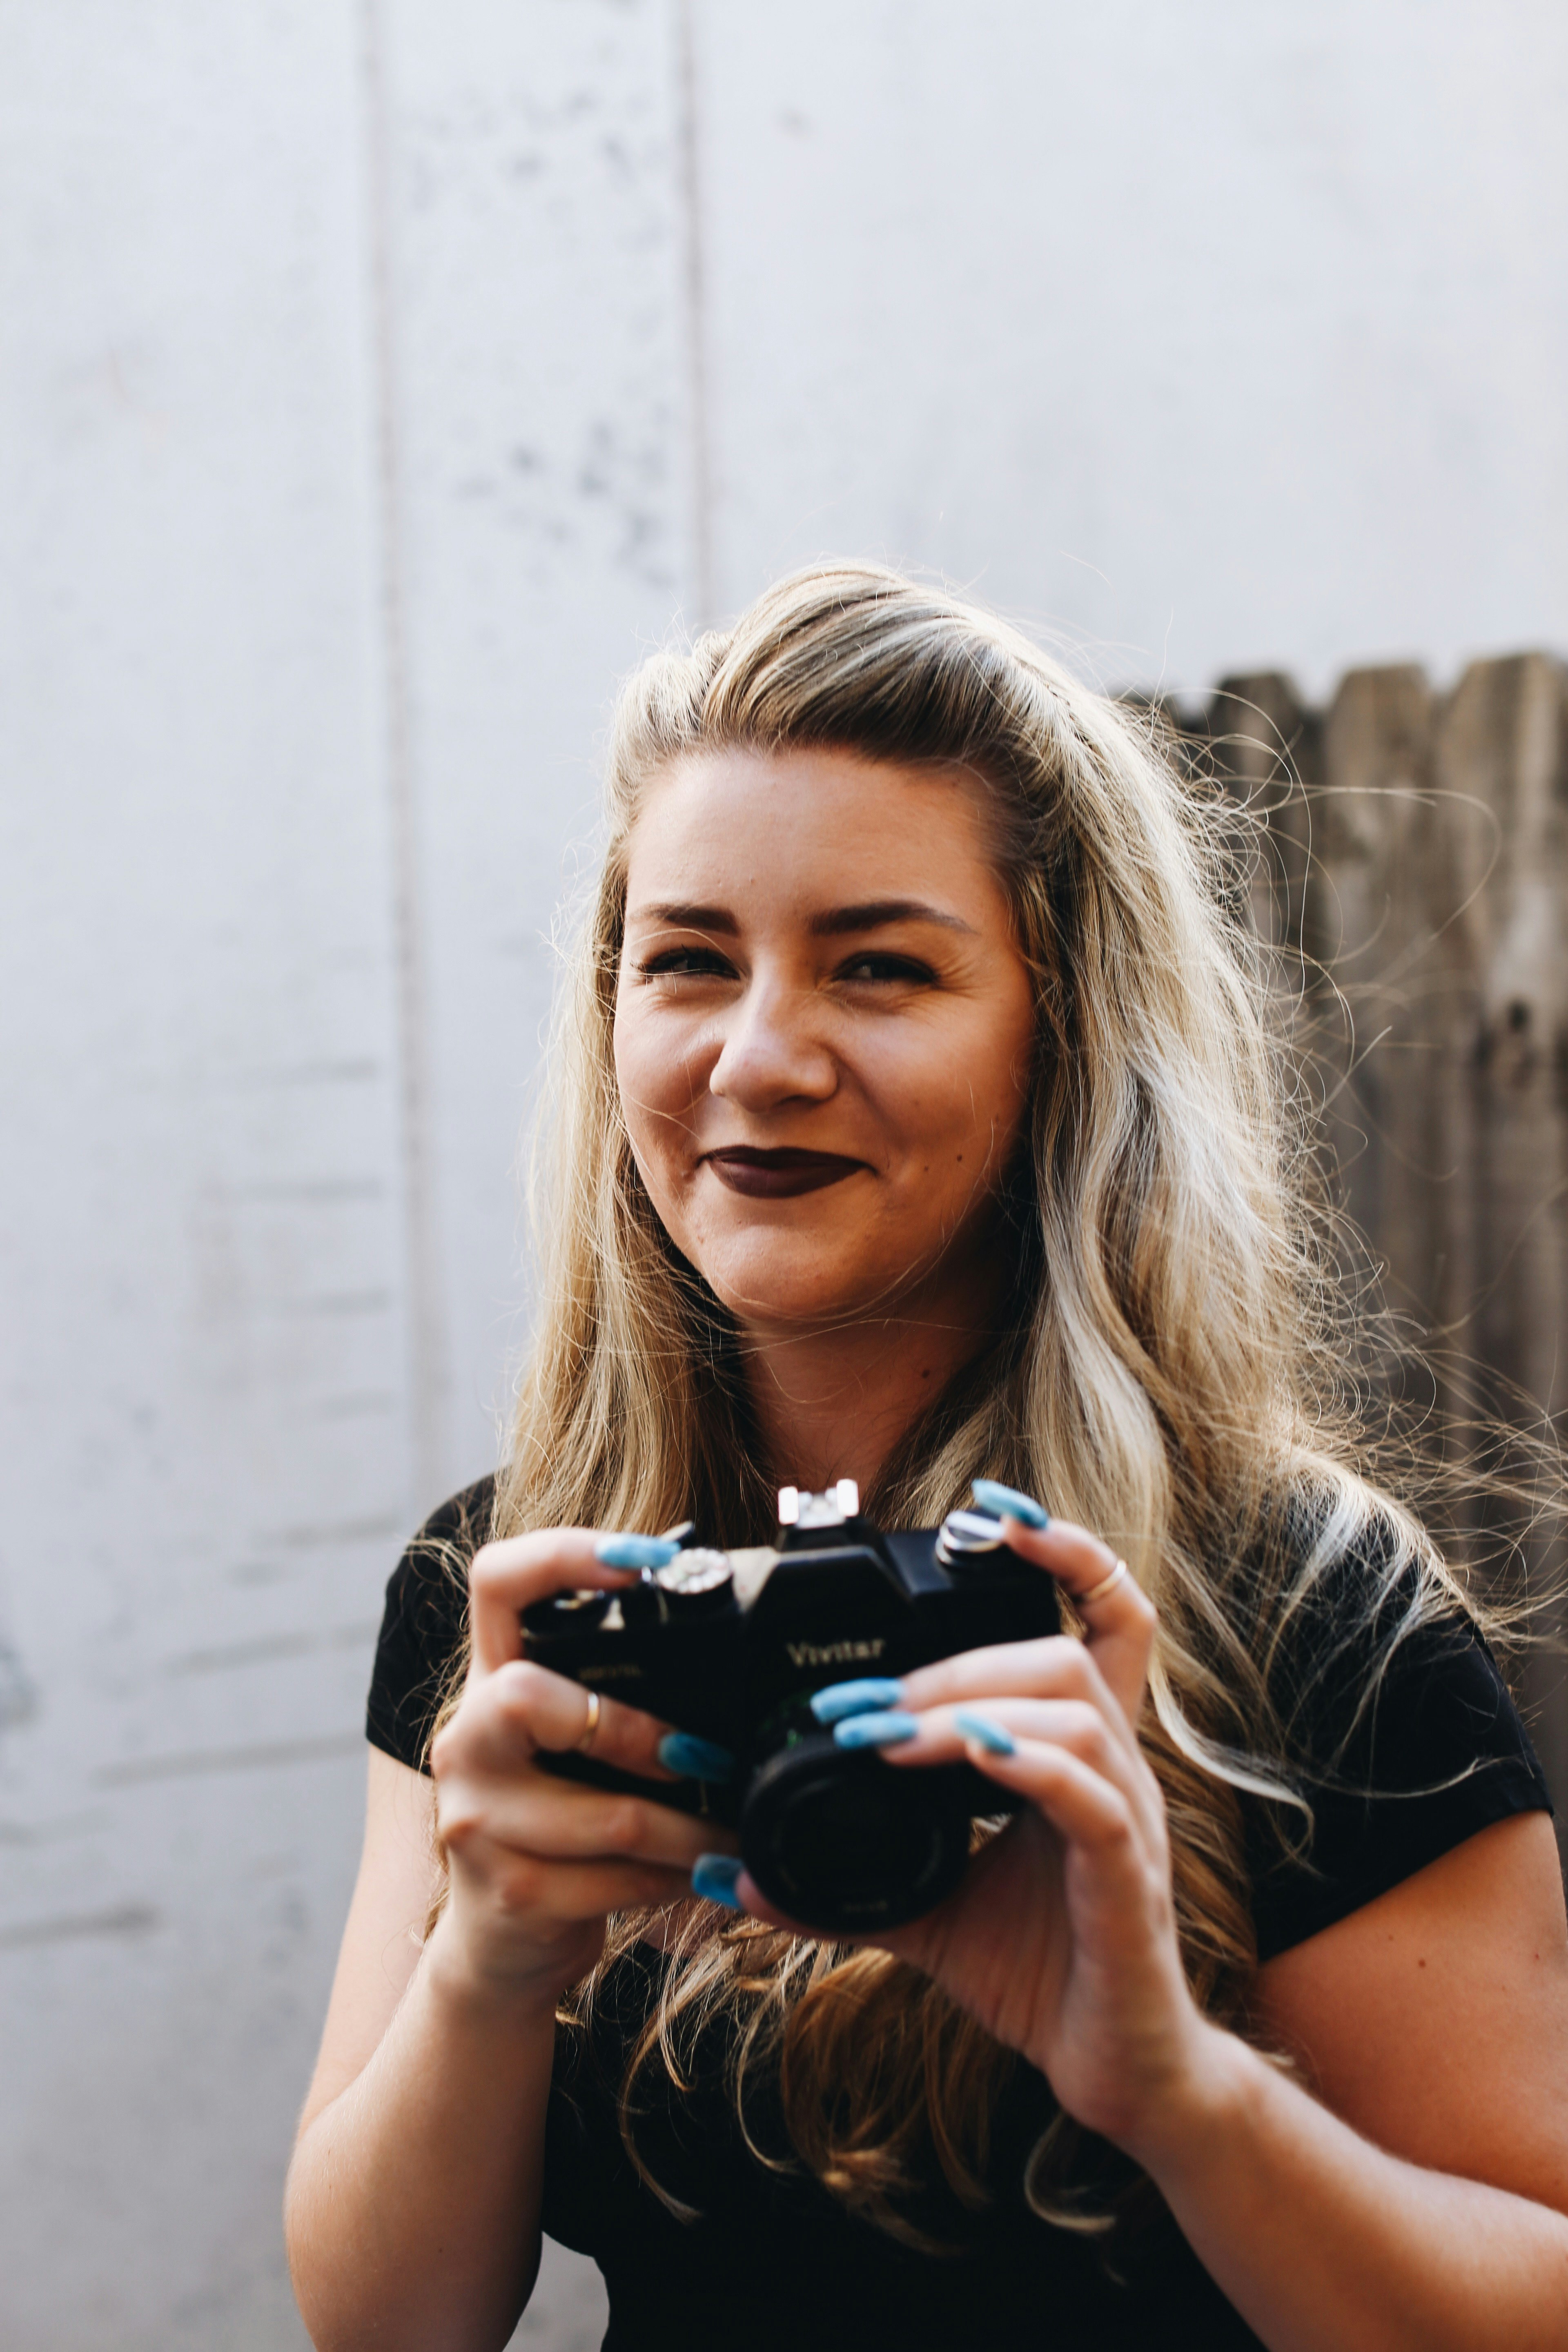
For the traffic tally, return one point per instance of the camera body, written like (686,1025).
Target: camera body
(731,1646)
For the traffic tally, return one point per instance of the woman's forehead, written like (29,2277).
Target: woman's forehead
(816,818)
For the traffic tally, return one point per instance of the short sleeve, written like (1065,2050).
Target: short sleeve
(422,1625)
(1436,1753)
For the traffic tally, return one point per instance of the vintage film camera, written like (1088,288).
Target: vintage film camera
(732,1646)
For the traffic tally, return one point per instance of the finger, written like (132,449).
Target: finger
(718,1878)
(1097,1737)
(523,1884)
(748,1897)
(505,1577)
(558,1822)
(1084,1805)
(508,1716)
(1058,1667)
(1118,1625)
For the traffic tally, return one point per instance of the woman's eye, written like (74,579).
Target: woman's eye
(682,963)
(908,969)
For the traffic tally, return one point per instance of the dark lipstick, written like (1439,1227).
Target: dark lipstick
(779,1175)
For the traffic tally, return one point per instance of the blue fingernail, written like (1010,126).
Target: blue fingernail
(694,1759)
(635,1551)
(875,1730)
(715,1877)
(1006,1503)
(840,1699)
(985,1733)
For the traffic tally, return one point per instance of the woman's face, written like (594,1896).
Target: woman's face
(824,1033)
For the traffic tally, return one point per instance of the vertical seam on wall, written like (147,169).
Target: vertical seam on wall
(694,305)
(426,1335)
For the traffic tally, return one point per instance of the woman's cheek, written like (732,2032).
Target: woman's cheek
(648,1073)
(638,1076)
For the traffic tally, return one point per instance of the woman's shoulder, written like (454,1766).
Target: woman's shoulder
(1345,1589)
(1400,1736)
(424,1624)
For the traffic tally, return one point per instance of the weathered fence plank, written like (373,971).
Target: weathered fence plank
(1414,884)
(1268,746)
(1501,760)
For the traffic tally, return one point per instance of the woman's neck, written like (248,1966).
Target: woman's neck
(834,1402)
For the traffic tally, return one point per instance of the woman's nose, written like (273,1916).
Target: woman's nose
(773,1052)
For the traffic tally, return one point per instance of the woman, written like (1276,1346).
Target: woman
(919,1126)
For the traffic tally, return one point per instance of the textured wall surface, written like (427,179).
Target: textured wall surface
(376,382)
(1219,335)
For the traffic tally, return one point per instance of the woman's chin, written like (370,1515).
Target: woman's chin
(800,1295)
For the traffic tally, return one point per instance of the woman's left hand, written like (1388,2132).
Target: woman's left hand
(1061,1939)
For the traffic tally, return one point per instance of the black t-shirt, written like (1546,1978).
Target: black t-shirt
(1438,1755)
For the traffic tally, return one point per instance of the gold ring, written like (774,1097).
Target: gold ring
(1105,1586)
(596,1708)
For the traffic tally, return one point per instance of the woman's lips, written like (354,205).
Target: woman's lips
(779,1175)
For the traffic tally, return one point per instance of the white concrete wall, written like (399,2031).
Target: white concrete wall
(372,393)
(1223,335)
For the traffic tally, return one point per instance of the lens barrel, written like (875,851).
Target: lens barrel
(847,1843)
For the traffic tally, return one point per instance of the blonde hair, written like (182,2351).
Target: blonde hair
(1174,1379)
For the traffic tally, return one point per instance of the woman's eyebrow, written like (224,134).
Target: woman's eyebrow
(877,912)
(833,922)
(686,918)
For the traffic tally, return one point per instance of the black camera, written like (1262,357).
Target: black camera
(732,1646)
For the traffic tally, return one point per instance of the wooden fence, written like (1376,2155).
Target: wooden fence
(1415,878)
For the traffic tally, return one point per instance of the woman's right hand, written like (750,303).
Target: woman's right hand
(536,1863)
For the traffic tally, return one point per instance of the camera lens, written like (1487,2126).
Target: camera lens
(846,1843)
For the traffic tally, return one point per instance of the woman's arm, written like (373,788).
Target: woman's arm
(414,2197)
(1424,2206)
(412,2207)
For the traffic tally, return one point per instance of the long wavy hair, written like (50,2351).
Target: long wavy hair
(1176,1375)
